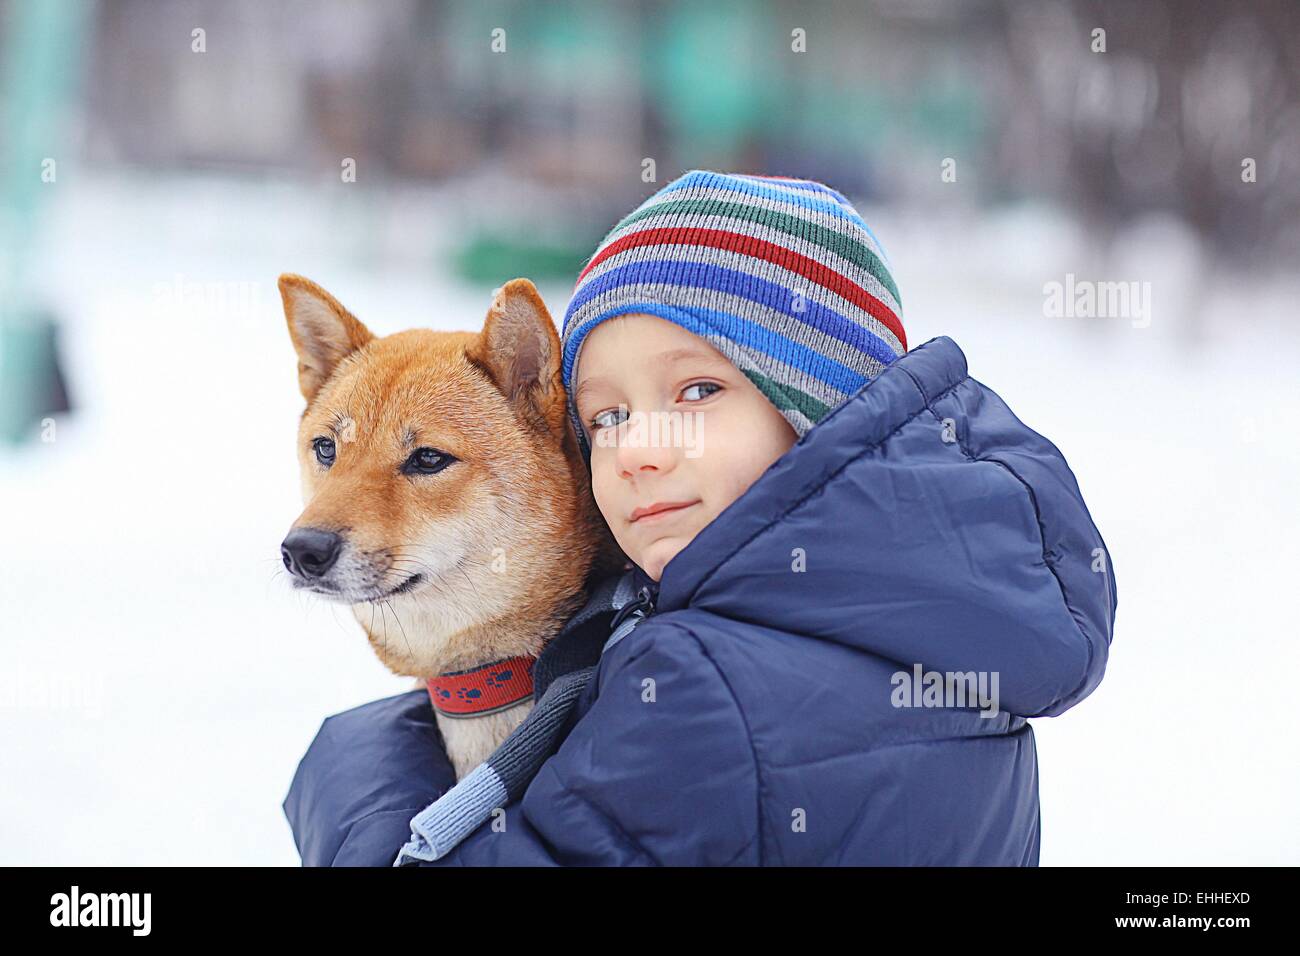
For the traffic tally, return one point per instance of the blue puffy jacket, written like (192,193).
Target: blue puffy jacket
(755,717)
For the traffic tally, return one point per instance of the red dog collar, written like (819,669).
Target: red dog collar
(483,690)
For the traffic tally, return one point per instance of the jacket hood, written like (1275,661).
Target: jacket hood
(921,522)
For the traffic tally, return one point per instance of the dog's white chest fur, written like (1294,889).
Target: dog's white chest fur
(471,740)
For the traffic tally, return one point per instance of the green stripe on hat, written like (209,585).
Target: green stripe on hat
(787,397)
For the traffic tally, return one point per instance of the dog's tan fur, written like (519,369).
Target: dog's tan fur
(504,538)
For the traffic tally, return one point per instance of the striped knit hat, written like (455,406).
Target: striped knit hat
(781,276)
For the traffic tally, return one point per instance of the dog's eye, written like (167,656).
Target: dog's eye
(427,461)
(324,448)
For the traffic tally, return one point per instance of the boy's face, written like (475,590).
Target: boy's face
(670,422)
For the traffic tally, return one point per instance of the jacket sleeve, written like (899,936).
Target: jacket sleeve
(659,771)
(367,772)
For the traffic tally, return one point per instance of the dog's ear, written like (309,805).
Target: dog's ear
(323,332)
(520,351)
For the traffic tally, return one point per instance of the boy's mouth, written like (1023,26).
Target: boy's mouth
(659,509)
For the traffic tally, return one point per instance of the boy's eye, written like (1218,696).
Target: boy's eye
(608,418)
(691,393)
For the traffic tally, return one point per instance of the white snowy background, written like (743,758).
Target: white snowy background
(159,680)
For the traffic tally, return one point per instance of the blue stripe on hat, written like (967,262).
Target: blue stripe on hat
(807,185)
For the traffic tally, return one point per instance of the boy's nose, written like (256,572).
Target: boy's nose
(310,552)
(639,456)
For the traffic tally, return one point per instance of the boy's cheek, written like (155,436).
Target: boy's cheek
(601,490)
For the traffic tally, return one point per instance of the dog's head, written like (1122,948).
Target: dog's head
(442,484)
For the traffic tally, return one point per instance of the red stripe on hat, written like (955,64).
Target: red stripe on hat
(810,269)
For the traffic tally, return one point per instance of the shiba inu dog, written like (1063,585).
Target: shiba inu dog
(445,500)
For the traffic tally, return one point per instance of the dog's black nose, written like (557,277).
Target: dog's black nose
(310,552)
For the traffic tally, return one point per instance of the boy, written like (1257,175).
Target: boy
(848,599)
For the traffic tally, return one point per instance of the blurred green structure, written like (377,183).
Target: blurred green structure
(42,58)
(712,85)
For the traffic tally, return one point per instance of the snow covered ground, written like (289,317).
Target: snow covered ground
(159,680)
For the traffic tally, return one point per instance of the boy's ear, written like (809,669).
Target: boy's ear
(323,332)
(519,351)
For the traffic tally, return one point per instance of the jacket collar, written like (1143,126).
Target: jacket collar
(638,579)
(580,642)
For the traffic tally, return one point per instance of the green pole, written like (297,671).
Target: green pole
(43,44)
